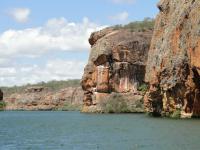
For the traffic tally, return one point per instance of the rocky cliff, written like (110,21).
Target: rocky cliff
(115,70)
(173,70)
(40,98)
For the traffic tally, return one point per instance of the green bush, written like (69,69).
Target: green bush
(114,104)
(2,105)
(146,24)
(176,114)
(143,87)
(70,107)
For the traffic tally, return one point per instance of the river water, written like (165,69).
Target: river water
(45,130)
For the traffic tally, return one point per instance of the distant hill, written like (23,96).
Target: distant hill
(51,85)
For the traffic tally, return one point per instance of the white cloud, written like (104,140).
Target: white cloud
(53,70)
(20,14)
(123,1)
(7,72)
(123,16)
(56,34)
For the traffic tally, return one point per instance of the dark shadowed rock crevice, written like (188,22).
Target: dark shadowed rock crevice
(1,95)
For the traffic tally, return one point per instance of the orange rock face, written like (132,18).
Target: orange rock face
(116,64)
(173,67)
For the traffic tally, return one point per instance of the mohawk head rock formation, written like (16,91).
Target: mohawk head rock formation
(116,68)
(173,70)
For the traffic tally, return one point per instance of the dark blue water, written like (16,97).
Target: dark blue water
(76,131)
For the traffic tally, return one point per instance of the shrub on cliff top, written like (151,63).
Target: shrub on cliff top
(146,24)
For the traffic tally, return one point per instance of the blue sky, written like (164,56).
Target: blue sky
(42,40)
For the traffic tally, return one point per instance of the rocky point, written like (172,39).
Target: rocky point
(116,68)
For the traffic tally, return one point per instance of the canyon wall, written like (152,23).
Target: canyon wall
(115,69)
(173,70)
(40,98)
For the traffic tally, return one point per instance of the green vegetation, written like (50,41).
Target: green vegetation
(70,107)
(146,24)
(143,87)
(176,114)
(118,104)
(51,85)
(2,105)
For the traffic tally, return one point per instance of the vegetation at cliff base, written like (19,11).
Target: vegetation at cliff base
(70,107)
(116,105)
(143,87)
(119,104)
(2,105)
(176,114)
(146,24)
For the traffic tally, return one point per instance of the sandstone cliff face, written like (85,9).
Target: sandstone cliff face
(116,64)
(40,98)
(173,69)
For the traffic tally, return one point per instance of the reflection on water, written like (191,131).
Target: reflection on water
(75,131)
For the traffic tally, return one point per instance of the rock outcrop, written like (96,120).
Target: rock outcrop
(173,70)
(40,98)
(116,65)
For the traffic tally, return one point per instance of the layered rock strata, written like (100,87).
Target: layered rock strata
(116,65)
(173,67)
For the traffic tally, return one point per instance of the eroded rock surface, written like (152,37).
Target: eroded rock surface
(173,67)
(40,98)
(116,64)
